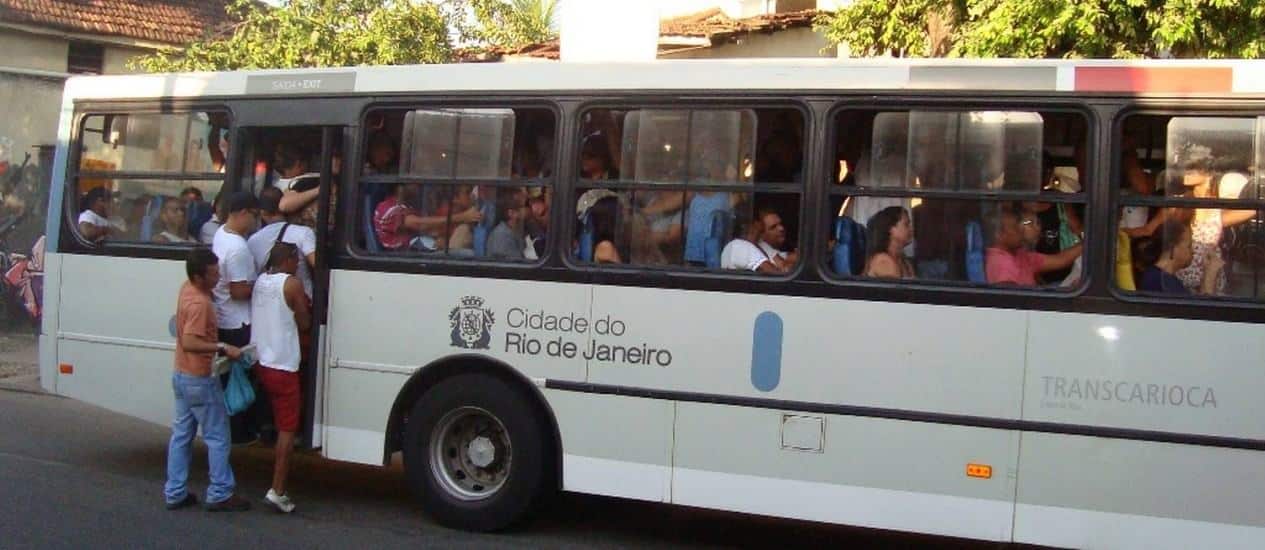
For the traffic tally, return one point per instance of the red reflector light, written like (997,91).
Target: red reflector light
(66,368)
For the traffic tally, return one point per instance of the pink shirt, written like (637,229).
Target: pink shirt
(1019,267)
(388,223)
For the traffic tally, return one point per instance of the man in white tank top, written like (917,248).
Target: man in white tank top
(279,312)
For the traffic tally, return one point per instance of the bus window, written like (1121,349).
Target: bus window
(146,177)
(1182,232)
(678,188)
(986,197)
(469,183)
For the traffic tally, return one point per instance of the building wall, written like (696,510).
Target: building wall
(801,42)
(33,51)
(116,58)
(29,110)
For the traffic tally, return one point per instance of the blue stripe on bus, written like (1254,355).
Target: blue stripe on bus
(766,351)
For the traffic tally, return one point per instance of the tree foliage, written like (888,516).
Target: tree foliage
(1050,28)
(317,33)
(512,23)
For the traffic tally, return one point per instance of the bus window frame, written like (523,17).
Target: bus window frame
(1118,200)
(956,103)
(652,102)
(352,180)
(82,111)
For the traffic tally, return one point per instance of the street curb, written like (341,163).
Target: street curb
(23,384)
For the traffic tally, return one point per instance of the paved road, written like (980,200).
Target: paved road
(74,476)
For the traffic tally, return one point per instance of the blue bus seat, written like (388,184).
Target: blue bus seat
(718,236)
(371,238)
(198,213)
(848,256)
(975,253)
(484,227)
(585,251)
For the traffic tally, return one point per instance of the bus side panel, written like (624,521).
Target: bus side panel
(937,359)
(1179,377)
(869,472)
(121,353)
(1087,492)
(51,303)
(614,445)
(1168,375)
(405,321)
(358,404)
(383,327)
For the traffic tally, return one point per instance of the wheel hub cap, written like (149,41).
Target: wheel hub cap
(481,452)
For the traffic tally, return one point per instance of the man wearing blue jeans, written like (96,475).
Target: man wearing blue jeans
(198,395)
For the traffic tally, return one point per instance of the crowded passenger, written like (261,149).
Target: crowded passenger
(175,230)
(380,159)
(1207,224)
(280,312)
(208,229)
(505,242)
(94,215)
(661,212)
(133,219)
(757,248)
(596,162)
(199,399)
(1008,261)
(277,229)
(459,234)
(537,225)
(890,230)
(232,292)
(398,225)
(300,188)
(1074,224)
(602,208)
(1172,251)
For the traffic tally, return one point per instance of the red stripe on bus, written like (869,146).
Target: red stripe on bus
(1158,79)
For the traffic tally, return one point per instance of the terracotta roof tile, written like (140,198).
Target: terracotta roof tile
(713,24)
(166,21)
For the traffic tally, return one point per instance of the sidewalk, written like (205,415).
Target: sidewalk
(19,363)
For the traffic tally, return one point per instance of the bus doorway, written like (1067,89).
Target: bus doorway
(303,163)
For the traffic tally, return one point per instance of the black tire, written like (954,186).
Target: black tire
(527,482)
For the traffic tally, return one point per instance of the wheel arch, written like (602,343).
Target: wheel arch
(435,372)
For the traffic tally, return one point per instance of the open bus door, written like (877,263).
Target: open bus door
(323,146)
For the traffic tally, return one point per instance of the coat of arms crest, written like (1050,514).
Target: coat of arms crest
(471,324)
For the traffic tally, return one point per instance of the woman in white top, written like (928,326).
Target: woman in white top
(94,220)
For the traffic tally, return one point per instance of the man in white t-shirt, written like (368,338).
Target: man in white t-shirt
(94,222)
(757,250)
(237,279)
(301,236)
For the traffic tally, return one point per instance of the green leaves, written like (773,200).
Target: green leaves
(317,33)
(512,23)
(1050,28)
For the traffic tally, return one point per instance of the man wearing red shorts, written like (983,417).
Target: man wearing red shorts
(279,312)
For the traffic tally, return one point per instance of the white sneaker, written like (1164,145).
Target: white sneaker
(281,502)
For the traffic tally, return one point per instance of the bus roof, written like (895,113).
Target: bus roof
(1172,77)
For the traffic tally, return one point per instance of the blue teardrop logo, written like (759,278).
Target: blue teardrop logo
(766,351)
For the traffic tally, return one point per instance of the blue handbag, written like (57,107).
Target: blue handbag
(239,393)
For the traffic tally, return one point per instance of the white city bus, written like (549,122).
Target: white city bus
(1065,351)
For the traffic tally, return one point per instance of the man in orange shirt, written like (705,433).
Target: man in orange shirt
(198,395)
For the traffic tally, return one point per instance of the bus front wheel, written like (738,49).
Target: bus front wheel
(475,452)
